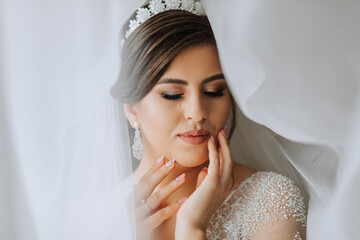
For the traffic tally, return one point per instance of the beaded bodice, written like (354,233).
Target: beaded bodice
(263,201)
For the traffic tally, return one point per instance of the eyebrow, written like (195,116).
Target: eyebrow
(183,82)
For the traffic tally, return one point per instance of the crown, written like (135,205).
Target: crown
(157,6)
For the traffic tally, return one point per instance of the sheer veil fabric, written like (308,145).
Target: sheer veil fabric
(293,67)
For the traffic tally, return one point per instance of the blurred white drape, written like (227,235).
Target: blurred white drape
(58,121)
(293,67)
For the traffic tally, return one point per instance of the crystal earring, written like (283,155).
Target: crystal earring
(137,147)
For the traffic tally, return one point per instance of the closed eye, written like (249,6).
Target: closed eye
(215,94)
(178,96)
(172,96)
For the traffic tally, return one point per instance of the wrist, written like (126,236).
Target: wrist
(189,233)
(186,231)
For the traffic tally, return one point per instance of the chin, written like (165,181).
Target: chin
(192,159)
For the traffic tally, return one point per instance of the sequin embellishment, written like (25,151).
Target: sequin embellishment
(258,202)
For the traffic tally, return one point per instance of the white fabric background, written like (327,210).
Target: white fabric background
(293,67)
(59,59)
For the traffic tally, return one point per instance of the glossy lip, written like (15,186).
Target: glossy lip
(195,137)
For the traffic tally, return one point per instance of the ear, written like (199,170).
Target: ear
(131,113)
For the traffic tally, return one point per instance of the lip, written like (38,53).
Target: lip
(195,137)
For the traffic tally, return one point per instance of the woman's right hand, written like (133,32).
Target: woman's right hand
(149,209)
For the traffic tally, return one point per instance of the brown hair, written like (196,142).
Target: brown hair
(149,50)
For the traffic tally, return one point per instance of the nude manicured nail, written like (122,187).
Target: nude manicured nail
(170,163)
(226,132)
(181,177)
(212,139)
(182,200)
(160,160)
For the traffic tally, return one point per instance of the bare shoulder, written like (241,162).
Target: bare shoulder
(240,173)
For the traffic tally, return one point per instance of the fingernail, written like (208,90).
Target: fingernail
(160,160)
(225,132)
(181,177)
(212,139)
(205,169)
(182,200)
(170,163)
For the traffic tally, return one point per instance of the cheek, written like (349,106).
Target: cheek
(219,112)
(158,120)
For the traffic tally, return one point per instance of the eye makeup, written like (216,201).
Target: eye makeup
(174,96)
(171,96)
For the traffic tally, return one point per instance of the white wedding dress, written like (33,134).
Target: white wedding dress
(265,203)
(292,66)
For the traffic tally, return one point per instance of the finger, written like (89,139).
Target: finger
(137,188)
(221,163)
(202,174)
(224,132)
(225,153)
(150,180)
(160,216)
(142,211)
(213,158)
(158,163)
(155,200)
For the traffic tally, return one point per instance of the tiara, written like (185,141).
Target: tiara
(157,6)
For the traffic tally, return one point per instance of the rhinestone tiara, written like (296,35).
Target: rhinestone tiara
(157,6)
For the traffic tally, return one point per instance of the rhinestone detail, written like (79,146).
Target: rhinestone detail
(260,201)
(157,6)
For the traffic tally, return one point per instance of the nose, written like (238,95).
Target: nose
(195,109)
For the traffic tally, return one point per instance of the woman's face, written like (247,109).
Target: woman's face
(192,95)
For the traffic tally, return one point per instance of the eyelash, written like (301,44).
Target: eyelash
(178,96)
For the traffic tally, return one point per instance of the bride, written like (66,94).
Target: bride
(176,98)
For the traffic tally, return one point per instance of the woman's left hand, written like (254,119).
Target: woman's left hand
(194,214)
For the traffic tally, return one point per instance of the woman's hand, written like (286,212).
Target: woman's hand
(149,212)
(194,214)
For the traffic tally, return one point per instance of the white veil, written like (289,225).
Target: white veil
(61,134)
(293,67)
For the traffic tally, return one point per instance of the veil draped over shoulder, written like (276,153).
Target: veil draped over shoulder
(292,66)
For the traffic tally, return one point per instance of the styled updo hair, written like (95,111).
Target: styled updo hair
(151,47)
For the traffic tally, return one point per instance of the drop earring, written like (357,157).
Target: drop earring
(137,147)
